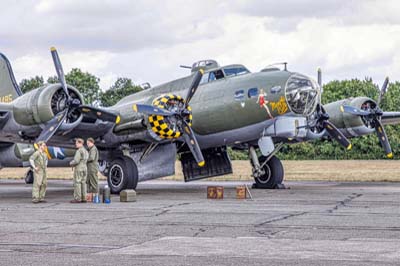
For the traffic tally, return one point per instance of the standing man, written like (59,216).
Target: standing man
(38,161)
(92,167)
(80,172)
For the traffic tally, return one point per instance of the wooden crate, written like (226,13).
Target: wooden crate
(215,192)
(241,192)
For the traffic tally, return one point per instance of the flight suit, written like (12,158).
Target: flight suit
(93,168)
(39,159)
(80,173)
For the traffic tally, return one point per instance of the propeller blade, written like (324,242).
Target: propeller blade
(52,126)
(194,147)
(337,135)
(151,110)
(193,87)
(380,132)
(383,90)
(59,69)
(319,77)
(98,113)
(385,85)
(353,110)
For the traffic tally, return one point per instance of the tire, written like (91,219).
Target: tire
(122,175)
(274,173)
(29,177)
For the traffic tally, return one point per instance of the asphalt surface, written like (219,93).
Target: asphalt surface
(172,223)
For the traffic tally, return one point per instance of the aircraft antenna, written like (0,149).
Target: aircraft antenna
(281,63)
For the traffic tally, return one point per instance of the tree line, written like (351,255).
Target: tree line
(366,147)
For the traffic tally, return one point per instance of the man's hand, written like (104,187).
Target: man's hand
(36,169)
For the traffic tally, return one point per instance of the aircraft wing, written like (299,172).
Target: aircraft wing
(390,118)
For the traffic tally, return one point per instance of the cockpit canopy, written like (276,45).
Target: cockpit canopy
(302,94)
(224,72)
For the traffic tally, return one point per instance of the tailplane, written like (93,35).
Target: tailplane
(9,89)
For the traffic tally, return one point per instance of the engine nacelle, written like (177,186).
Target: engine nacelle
(42,104)
(350,125)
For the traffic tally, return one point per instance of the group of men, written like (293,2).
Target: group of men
(85,166)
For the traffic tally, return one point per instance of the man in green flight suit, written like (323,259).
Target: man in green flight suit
(92,167)
(80,172)
(38,162)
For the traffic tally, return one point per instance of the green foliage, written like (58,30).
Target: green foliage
(338,90)
(30,84)
(237,155)
(121,88)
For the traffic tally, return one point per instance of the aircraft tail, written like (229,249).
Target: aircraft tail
(9,89)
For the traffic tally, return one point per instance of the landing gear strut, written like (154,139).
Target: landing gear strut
(267,171)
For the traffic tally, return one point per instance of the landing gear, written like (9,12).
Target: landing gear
(122,174)
(267,174)
(29,177)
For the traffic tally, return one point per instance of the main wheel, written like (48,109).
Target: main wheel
(273,173)
(122,175)
(29,177)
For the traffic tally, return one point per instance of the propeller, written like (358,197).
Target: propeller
(322,121)
(383,90)
(372,114)
(180,113)
(71,105)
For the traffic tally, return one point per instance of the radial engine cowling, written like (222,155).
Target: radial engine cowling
(40,105)
(351,125)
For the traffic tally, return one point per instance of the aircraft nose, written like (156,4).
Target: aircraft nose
(302,94)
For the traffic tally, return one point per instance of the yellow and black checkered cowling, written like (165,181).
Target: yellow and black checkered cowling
(159,124)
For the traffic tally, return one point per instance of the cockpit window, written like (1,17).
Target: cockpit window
(214,75)
(235,71)
(301,94)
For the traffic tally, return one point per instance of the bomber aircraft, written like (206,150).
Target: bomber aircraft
(195,117)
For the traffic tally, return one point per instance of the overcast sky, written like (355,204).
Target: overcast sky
(148,40)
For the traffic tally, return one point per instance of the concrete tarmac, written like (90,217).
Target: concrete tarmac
(172,223)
